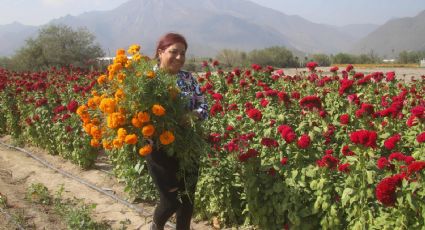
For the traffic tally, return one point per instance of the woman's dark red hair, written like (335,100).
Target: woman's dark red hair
(168,40)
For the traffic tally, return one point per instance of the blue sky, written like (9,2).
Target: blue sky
(333,12)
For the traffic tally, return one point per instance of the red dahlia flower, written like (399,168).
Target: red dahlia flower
(303,142)
(254,114)
(386,189)
(311,102)
(421,137)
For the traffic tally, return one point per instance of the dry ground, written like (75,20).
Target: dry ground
(18,171)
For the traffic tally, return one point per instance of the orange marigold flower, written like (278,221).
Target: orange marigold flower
(119,95)
(143,117)
(101,79)
(82,109)
(121,77)
(94,143)
(145,150)
(136,123)
(117,143)
(121,133)
(107,105)
(131,139)
(150,74)
(93,102)
(87,127)
(128,64)
(85,118)
(94,92)
(120,52)
(158,110)
(148,130)
(137,57)
(166,138)
(95,132)
(115,120)
(107,145)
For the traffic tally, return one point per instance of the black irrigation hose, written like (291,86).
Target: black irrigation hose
(10,218)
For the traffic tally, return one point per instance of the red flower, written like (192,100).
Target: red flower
(418,111)
(311,102)
(397,156)
(386,189)
(284,161)
(328,161)
(269,142)
(264,102)
(344,119)
(247,155)
(345,85)
(364,137)
(334,69)
(216,108)
(344,168)
(349,68)
(421,137)
(383,163)
(217,96)
(390,76)
(415,166)
(287,133)
(392,141)
(311,65)
(254,114)
(303,142)
(72,106)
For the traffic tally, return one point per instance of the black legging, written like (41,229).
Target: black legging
(163,170)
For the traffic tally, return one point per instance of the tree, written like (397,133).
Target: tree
(230,58)
(321,59)
(275,56)
(58,45)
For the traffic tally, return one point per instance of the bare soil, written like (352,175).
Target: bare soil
(18,171)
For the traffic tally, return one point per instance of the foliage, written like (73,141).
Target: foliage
(411,56)
(300,143)
(38,193)
(57,45)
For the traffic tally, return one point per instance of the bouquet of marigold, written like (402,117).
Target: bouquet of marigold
(136,105)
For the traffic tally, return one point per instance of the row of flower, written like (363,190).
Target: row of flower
(39,108)
(332,150)
(337,150)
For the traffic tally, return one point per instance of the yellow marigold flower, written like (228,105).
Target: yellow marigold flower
(137,57)
(150,74)
(121,133)
(145,150)
(101,79)
(133,49)
(119,95)
(166,138)
(143,117)
(128,64)
(107,144)
(117,143)
(130,139)
(94,143)
(136,123)
(115,120)
(107,105)
(158,110)
(148,130)
(120,52)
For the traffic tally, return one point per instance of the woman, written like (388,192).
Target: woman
(175,195)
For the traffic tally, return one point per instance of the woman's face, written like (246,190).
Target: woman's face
(172,58)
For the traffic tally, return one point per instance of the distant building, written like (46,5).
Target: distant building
(388,60)
(423,63)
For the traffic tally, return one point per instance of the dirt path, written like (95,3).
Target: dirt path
(18,171)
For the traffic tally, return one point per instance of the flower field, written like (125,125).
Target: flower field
(332,150)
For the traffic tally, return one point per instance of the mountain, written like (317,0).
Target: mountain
(358,31)
(208,25)
(13,36)
(395,36)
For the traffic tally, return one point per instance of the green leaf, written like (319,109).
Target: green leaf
(346,195)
